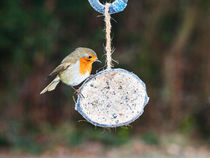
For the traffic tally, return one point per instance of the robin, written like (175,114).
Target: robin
(74,68)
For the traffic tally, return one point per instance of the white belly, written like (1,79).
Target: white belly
(72,76)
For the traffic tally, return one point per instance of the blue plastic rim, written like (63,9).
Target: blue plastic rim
(116,7)
(79,109)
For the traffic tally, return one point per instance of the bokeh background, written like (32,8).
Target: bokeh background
(166,43)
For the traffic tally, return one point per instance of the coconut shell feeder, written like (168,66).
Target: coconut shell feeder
(112,97)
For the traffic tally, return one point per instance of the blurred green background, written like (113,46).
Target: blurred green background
(166,43)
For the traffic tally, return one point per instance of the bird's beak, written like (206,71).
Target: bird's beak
(98,61)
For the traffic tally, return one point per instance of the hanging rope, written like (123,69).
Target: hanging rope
(108,36)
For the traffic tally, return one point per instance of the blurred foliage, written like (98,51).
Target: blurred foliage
(36,140)
(150,138)
(165,43)
(106,137)
(187,124)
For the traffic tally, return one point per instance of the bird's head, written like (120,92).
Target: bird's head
(87,55)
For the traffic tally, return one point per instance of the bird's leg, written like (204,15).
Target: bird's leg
(77,91)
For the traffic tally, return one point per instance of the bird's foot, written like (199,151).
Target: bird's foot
(91,76)
(77,91)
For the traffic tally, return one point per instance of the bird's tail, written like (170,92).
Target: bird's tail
(51,86)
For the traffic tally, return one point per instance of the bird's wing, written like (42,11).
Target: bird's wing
(60,68)
(68,61)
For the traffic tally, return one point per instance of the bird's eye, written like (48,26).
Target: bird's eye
(90,57)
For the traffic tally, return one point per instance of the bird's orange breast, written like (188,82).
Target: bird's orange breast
(85,66)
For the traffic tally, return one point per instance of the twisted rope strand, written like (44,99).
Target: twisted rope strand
(108,36)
